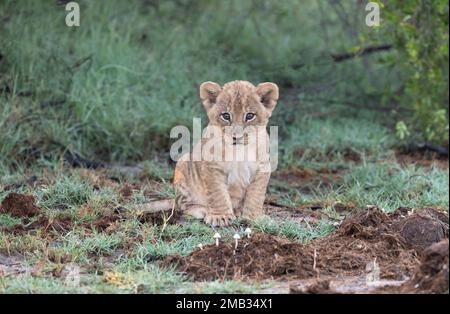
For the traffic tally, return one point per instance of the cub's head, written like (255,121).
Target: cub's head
(238,106)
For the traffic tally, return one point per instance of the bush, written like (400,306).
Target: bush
(419,31)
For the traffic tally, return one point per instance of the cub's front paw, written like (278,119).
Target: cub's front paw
(252,214)
(219,219)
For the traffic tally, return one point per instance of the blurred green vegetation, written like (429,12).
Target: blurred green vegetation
(419,31)
(112,88)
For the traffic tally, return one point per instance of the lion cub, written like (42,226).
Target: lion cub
(231,176)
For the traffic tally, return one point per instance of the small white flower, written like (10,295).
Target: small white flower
(236,237)
(217,237)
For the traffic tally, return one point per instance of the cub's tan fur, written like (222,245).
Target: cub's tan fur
(218,191)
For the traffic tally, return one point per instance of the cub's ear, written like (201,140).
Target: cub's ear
(268,93)
(208,94)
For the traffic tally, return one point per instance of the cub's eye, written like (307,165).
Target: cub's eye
(250,116)
(225,116)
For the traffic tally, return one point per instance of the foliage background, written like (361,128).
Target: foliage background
(112,88)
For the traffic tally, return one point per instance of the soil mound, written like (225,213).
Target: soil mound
(369,243)
(431,276)
(421,227)
(20,205)
(259,257)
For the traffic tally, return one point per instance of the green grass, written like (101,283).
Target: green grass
(9,221)
(385,184)
(66,193)
(134,248)
(292,229)
(391,186)
(112,89)
(328,142)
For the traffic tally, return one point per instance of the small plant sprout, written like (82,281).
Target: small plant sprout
(217,237)
(236,237)
(200,246)
(248,231)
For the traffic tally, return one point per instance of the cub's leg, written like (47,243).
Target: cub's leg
(190,197)
(220,209)
(188,206)
(255,196)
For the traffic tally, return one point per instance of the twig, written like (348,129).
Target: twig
(357,106)
(315,260)
(362,52)
(337,58)
(275,204)
(170,216)
(75,160)
(81,61)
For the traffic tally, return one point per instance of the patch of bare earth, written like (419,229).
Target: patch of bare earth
(12,265)
(19,205)
(24,206)
(431,275)
(297,214)
(422,159)
(304,179)
(370,246)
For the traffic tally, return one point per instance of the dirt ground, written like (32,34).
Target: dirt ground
(19,205)
(403,252)
(422,159)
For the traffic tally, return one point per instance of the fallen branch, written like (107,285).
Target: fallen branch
(360,53)
(75,160)
(82,61)
(337,58)
(275,204)
(440,150)
(347,103)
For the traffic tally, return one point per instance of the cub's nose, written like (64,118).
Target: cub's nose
(238,139)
